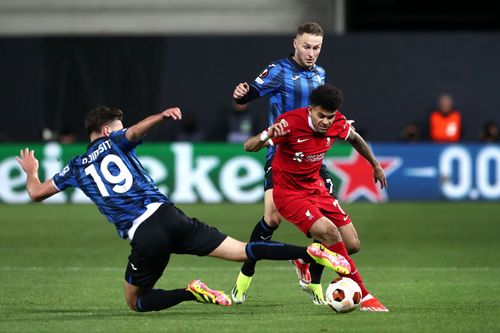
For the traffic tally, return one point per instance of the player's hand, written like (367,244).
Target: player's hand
(351,122)
(28,161)
(278,129)
(241,90)
(174,113)
(379,176)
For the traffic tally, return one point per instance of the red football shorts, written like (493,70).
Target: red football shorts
(304,209)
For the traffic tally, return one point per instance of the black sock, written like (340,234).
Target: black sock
(275,251)
(261,232)
(316,270)
(158,299)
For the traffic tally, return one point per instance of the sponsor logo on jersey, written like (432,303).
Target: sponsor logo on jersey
(298,156)
(315,157)
(299,140)
(296,77)
(309,215)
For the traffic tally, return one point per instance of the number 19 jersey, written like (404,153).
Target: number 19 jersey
(110,174)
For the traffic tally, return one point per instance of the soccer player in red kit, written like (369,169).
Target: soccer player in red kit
(303,137)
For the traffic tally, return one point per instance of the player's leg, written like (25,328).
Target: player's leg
(307,274)
(143,270)
(315,271)
(235,250)
(152,244)
(148,299)
(350,237)
(326,231)
(262,231)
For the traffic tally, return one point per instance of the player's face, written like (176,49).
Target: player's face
(307,49)
(321,119)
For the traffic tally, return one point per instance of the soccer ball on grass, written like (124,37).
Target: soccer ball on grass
(343,295)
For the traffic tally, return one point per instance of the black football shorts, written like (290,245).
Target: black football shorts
(165,232)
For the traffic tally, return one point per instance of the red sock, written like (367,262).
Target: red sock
(340,249)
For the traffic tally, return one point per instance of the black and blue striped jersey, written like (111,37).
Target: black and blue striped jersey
(289,86)
(110,174)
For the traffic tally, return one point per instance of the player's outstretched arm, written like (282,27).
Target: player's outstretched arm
(244,93)
(37,190)
(139,130)
(360,145)
(257,142)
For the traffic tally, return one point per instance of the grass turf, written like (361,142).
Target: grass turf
(435,265)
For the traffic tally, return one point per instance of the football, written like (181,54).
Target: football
(343,295)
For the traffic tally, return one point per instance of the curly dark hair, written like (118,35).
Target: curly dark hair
(327,97)
(101,116)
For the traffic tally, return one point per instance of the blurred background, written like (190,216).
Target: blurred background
(396,62)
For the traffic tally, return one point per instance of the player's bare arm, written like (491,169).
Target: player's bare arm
(360,145)
(261,140)
(139,130)
(37,190)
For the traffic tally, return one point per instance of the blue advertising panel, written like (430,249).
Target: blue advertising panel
(421,172)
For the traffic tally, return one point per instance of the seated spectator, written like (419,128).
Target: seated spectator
(445,122)
(189,130)
(410,133)
(489,133)
(239,123)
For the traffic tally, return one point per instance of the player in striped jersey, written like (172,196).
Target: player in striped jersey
(110,174)
(288,82)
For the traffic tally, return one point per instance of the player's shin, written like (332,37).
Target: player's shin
(275,251)
(261,232)
(341,249)
(158,299)
(316,270)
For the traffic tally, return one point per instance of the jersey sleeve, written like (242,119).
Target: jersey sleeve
(119,138)
(64,178)
(341,127)
(269,79)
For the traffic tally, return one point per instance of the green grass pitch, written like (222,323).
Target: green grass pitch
(435,265)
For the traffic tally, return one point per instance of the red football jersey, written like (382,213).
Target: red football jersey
(300,153)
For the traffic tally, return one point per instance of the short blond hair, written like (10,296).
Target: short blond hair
(312,28)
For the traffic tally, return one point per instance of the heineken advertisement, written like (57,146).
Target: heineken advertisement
(213,173)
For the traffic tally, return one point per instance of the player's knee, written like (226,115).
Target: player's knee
(131,298)
(272,220)
(132,303)
(354,247)
(332,234)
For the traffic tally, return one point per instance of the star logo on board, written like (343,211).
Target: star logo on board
(356,176)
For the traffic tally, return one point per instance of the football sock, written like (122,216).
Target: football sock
(261,232)
(340,249)
(275,251)
(158,299)
(316,270)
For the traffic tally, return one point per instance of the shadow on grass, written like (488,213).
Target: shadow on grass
(178,312)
